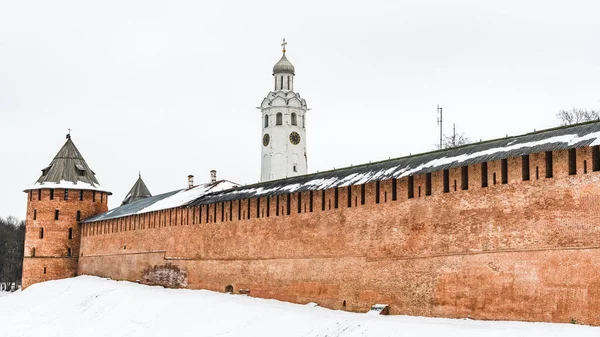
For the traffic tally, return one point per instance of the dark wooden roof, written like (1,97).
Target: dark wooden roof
(68,168)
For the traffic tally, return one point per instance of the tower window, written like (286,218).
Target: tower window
(504,170)
(294,119)
(44,270)
(80,195)
(310,206)
(411,187)
(595,158)
(394,189)
(30,195)
(494,178)
(268,207)
(70,233)
(288,204)
(39,195)
(41,232)
(349,196)
(288,84)
(68,251)
(525,167)
(362,194)
(303,122)
(295,168)
(33,252)
(323,200)
(52,194)
(266,121)
(585,166)
(446,181)
(464,178)
(484,174)
(336,197)
(56,214)
(279,119)
(548,164)
(377,183)
(66,195)
(428,183)
(239,210)
(572,162)
(277,205)
(78,216)
(281,82)
(299,202)
(101,197)
(94,196)
(35,214)
(258,207)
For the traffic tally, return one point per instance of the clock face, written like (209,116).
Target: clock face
(295,138)
(266,139)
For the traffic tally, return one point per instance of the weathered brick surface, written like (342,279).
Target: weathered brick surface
(52,251)
(524,250)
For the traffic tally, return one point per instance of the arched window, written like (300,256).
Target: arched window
(229,289)
(294,119)
(279,119)
(303,122)
(266,121)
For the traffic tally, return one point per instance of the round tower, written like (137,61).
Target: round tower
(66,192)
(283,114)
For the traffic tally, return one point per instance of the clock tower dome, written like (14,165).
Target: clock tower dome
(283,114)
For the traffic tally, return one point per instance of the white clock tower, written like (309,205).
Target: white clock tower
(283,126)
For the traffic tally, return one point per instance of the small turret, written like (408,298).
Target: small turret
(137,192)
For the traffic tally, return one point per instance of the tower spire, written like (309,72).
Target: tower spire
(283,44)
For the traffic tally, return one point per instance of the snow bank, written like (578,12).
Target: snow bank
(91,306)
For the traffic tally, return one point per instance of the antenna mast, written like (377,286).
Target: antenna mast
(440,121)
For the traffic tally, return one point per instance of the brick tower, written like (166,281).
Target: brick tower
(66,193)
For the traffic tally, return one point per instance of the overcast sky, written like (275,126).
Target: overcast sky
(169,88)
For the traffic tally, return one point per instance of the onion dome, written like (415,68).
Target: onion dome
(284,66)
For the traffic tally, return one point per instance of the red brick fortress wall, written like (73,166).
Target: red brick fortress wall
(50,253)
(518,250)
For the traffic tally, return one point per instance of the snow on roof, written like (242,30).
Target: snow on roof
(79,185)
(163,201)
(586,134)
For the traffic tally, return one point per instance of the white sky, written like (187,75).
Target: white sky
(169,88)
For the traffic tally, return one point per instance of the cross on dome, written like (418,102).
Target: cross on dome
(283,44)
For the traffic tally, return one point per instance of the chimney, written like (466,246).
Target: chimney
(213,176)
(190,181)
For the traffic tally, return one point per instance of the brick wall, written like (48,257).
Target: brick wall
(520,250)
(47,240)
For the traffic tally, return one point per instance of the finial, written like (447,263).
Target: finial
(283,44)
(69,134)
(140,174)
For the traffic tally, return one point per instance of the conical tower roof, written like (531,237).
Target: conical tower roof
(137,192)
(68,169)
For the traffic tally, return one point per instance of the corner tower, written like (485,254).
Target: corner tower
(284,126)
(66,192)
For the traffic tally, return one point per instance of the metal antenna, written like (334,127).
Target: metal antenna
(453,134)
(440,122)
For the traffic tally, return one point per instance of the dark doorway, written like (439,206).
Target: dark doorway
(229,289)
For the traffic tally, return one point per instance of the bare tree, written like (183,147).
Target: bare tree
(454,140)
(12,237)
(575,115)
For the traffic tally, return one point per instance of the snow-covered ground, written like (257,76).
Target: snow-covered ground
(92,306)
